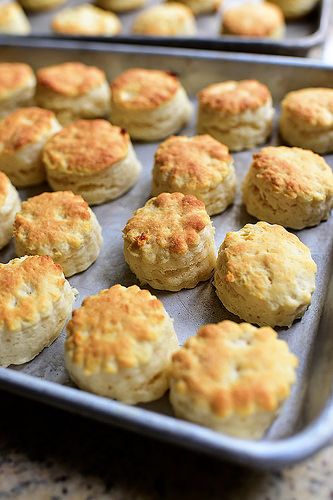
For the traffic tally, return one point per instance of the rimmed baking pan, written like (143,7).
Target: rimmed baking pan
(305,423)
(302,35)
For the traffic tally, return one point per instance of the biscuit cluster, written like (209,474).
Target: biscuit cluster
(121,342)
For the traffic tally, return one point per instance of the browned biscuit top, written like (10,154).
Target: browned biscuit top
(314,106)
(13,77)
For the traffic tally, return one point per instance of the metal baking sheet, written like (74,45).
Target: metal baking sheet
(302,35)
(305,423)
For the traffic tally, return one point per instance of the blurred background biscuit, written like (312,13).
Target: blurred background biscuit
(91,158)
(119,345)
(86,20)
(293,9)
(202,6)
(120,5)
(9,205)
(60,225)
(169,19)
(40,5)
(17,87)
(232,378)
(13,20)
(23,134)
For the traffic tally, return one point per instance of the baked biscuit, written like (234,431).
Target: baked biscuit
(73,90)
(265,275)
(253,20)
(9,205)
(289,186)
(149,104)
(120,5)
(307,119)
(17,87)
(86,20)
(23,134)
(169,19)
(295,8)
(60,225)
(238,114)
(35,301)
(41,5)
(232,378)
(91,158)
(202,6)
(169,243)
(120,343)
(13,20)
(198,165)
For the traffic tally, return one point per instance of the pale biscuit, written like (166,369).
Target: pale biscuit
(238,114)
(169,243)
(35,302)
(307,119)
(232,378)
(149,104)
(13,20)
(73,90)
(169,19)
(40,5)
(295,8)
(23,134)
(9,205)
(265,275)
(202,6)
(198,165)
(86,20)
(62,226)
(91,158)
(119,345)
(289,186)
(120,5)
(17,87)
(253,20)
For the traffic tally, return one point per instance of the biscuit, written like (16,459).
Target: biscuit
(119,345)
(200,166)
(91,158)
(253,20)
(9,205)
(232,378)
(86,20)
(169,243)
(202,6)
(62,226)
(238,114)
(73,90)
(13,20)
(120,5)
(149,104)
(23,134)
(307,119)
(35,302)
(17,87)
(265,275)
(295,8)
(40,5)
(169,19)
(289,186)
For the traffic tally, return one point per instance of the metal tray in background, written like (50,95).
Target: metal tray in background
(302,35)
(305,423)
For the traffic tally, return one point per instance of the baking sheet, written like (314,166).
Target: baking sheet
(305,422)
(301,35)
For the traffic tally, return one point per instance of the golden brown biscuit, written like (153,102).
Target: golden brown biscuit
(169,243)
(17,87)
(91,158)
(86,20)
(60,225)
(120,5)
(9,205)
(73,90)
(169,19)
(23,135)
(238,114)
(293,9)
(233,378)
(289,186)
(40,5)
(257,20)
(13,20)
(149,104)
(197,165)
(119,345)
(265,275)
(35,301)
(307,119)
(202,6)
